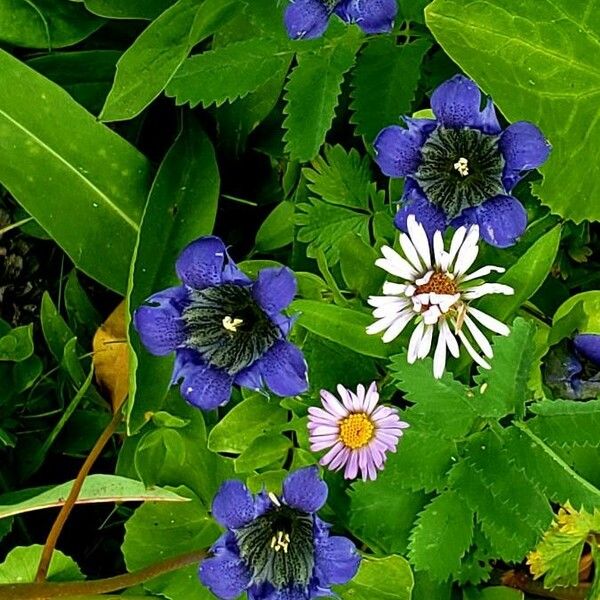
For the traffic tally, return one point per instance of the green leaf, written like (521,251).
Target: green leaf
(246,422)
(21,563)
(96,489)
(263,451)
(357,262)
(312,94)
(149,64)
(277,230)
(17,345)
(444,405)
(83,316)
(511,510)
(227,73)
(590,303)
(567,423)
(324,320)
(181,207)
(528,78)
(128,9)
(164,447)
(525,276)
(389,72)
(442,535)
(388,578)
(492,593)
(382,512)
(87,75)
(78,185)
(45,23)
(183,527)
(504,387)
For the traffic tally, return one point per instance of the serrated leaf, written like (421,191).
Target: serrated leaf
(511,510)
(78,185)
(148,65)
(341,177)
(475,565)
(441,405)
(390,73)
(441,536)
(228,73)
(567,423)
(504,387)
(312,93)
(528,78)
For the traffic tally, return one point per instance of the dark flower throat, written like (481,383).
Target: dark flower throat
(278,547)
(226,326)
(460,168)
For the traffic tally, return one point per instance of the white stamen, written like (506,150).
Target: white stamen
(231,324)
(462,166)
(274,499)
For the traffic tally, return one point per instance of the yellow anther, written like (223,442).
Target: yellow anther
(231,324)
(462,166)
(281,541)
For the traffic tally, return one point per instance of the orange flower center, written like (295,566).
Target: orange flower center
(356,431)
(439,283)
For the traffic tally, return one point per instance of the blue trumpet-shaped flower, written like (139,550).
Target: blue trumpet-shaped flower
(306,19)
(461,167)
(224,328)
(276,548)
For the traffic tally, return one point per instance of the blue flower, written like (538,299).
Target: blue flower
(307,19)
(460,167)
(276,548)
(572,368)
(223,327)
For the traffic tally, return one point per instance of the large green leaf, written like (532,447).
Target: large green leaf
(20,566)
(181,207)
(45,23)
(312,94)
(96,488)
(539,61)
(148,65)
(390,73)
(84,184)
(128,9)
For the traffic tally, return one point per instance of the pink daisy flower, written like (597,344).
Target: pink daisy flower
(358,432)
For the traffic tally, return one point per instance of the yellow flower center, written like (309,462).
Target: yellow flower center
(462,166)
(356,431)
(439,283)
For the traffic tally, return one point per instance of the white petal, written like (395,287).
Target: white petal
(451,342)
(465,259)
(478,359)
(419,239)
(372,398)
(425,279)
(438,248)
(402,265)
(391,288)
(439,357)
(380,325)
(488,321)
(457,239)
(415,341)
(390,309)
(411,252)
(431,315)
(487,288)
(479,338)
(425,345)
(382,300)
(344,395)
(410,290)
(397,327)
(482,272)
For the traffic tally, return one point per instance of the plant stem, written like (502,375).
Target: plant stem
(65,511)
(85,589)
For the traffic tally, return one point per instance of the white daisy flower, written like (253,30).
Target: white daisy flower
(436,293)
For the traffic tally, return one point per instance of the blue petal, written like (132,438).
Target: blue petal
(283,369)
(225,575)
(398,150)
(200,265)
(588,344)
(488,119)
(274,289)
(233,505)
(456,102)
(203,386)
(524,147)
(306,19)
(305,490)
(251,377)
(336,561)
(414,202)
(502,220)
(291,593)
(372,16)
(160,326)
